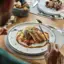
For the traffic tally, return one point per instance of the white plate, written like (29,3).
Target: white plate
(59,41)
(43,8)
(20,48)
(21,55)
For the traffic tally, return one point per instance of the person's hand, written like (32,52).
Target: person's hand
(52,54)
(3,31)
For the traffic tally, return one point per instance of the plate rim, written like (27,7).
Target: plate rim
(56,13)
(21,51)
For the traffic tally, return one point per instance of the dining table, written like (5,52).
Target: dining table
(31,17)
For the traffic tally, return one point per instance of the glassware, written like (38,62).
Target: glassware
(5,11)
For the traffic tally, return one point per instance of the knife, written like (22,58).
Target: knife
(42,30)
(35,4)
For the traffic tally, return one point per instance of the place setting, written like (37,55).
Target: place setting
(49,8)
(30,40)
(32,31)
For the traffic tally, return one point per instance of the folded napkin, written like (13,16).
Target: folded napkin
(6,58)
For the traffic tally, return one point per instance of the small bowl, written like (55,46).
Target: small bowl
(20,12)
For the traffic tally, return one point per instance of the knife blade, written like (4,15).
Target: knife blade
(35,4)
(39,21)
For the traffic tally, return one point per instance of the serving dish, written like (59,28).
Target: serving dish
(42,8)
(59,41)
(20,9)
(25,50)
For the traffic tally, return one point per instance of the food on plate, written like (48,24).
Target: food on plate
(31,35)
(18,4)
(56,4)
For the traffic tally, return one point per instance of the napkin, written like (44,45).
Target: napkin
(6,58)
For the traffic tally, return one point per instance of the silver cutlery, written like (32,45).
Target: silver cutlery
(42,30)
(36,2)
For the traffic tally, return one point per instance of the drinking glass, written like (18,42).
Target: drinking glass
(5,11)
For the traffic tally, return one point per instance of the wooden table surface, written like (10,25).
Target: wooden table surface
(31,17)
